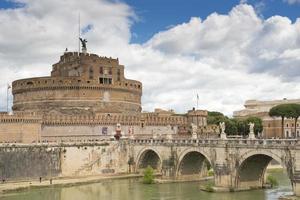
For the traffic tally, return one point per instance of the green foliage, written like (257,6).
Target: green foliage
(207,164)
(215,117)
(231,127)
(290,110)
(211,173)
(235,126)
(209,187)
(258,126)
(148,176)
(272,181)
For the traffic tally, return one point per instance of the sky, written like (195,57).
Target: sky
(227,52)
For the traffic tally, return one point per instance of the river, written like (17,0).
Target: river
(133,189)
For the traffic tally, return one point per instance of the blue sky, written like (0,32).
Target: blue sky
(157,15)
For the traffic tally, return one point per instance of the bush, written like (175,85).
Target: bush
(272,181)
(148,176)
(211,173)
(209,187)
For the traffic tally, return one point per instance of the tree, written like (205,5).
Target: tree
(284,111)
(231,126)
(214,117)
(148,175)
(258,126)
(294,112)
(242,127)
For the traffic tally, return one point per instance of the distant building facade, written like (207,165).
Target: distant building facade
(84,99)
(271,125)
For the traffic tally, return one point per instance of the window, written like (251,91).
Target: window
(101,70)
(91,73)
(104,131)
(118,75)
(105,80)
(110,71)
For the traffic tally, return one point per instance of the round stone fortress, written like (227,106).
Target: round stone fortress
(79,84)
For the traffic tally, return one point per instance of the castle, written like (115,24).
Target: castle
(87,98)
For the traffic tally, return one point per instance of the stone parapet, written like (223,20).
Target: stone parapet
(70,83)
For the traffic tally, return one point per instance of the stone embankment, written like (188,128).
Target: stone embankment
(60,182)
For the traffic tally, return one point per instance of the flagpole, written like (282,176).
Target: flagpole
(79,33)
(197,100)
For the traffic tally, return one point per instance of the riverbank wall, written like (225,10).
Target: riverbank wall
(25,162)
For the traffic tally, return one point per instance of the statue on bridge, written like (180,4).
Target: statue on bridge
(222,127)
(194,131)
(251,131)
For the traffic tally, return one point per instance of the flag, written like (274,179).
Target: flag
(197,97)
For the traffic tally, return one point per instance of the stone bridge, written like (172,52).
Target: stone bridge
(238,164)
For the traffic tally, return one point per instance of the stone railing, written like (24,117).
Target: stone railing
(218,142)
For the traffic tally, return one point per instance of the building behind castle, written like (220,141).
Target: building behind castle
(84,99)
(271,125)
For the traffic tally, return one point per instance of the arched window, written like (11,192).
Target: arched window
(118,75)
(91,73)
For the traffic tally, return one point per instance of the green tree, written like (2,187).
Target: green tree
(231,126)
(148,175)
(294,112)
(258,126)
(284,111)
(217,117)
(242,127)
(214,117)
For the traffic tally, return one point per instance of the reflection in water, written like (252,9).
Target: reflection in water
(133,190)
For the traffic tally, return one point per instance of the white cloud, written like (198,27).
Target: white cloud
(226,59)
(292,1)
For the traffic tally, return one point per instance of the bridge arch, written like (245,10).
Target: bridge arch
(252,168)
(149,157)
(192,163)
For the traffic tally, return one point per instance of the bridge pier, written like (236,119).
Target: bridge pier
(224,179)
(296,188)
(296,183)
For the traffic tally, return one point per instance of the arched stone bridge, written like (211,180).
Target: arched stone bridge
(237,163)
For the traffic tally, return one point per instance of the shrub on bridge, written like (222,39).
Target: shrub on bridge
(148,175)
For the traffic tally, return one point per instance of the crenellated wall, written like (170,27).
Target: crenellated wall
(20,129)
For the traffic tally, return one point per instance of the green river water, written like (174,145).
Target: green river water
(133,189)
